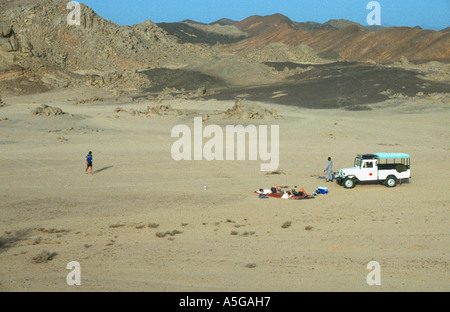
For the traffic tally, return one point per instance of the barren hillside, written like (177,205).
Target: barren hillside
(42,30)
(39,50)
(346,41)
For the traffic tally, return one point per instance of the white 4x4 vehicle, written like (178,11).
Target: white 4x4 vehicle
(386,168)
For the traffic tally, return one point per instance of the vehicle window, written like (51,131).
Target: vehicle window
(368,165)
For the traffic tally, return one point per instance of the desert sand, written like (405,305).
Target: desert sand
(224,238)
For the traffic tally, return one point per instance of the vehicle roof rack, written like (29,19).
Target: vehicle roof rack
(368,156)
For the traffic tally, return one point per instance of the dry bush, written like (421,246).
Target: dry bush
(170,233)
(53,230)
(44,257)
(11,239)
(117,225)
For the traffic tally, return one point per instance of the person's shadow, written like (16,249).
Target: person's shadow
(102,169)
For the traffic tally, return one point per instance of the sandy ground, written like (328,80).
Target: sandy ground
(230,239)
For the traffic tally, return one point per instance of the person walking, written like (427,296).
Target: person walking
(329,170)
(88,162)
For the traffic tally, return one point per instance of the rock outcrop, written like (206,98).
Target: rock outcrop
(279,52)
(125,80)
(40,29)
(45,110)
(244,109)
(8,40)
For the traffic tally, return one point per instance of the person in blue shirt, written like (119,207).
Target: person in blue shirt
(88,162)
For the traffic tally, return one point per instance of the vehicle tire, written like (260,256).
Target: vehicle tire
(349,183)
(391,181)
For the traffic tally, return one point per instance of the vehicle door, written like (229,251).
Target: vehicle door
(368,171)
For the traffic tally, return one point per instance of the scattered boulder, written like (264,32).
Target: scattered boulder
(202,91)
(125,80)
(132,112)
(61,139)
(162,108)
(443,98)
(175,94)
(158,110)
(404,61)
(5,30)
(120,110)
(8,40)
(45,110)
(90,101)
(244,109)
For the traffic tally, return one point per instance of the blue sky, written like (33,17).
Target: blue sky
(426,13)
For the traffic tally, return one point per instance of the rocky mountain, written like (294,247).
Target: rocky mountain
(340,23)
(224,22)
(42,31)
(39,47)
(257,25)
(313,26)
(198,33)
(334,40)
(39,50)
(345,40)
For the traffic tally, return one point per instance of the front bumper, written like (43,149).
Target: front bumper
(338,179)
